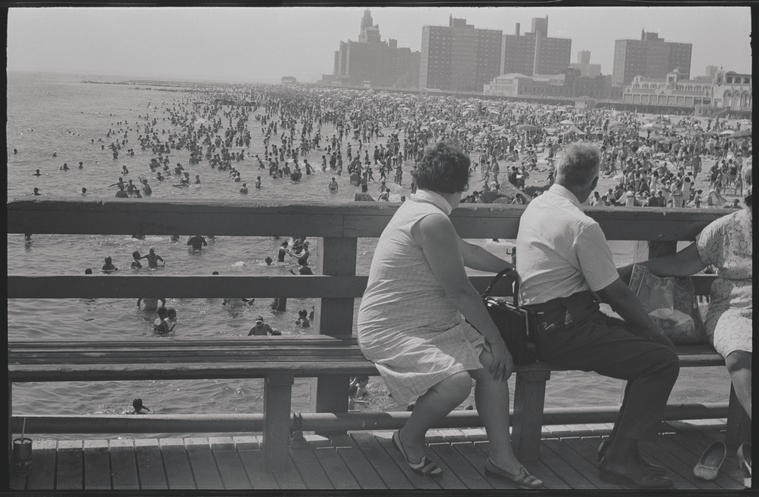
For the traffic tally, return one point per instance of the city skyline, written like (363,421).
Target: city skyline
(264,44)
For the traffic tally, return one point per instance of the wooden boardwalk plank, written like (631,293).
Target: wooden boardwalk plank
(386,469)
(582,456)
(704,437)
(308,466)
(677,471)
(466,475)
(124,465)
(336,470)
(417,480)
(550,454)
(536,468)
(360,468)
(97,465)
(150,469)
(253,462)
(202,463)
(693,450)
(288,477)
(43,465)
(228,461)
(70,466)
(572,450)
(177,465)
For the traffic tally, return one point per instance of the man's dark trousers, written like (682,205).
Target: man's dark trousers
(574,334)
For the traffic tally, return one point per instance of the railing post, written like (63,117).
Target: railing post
(276,434)
(6,465)
(527,421)
(334,317)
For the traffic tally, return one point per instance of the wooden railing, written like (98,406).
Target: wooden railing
(338,227)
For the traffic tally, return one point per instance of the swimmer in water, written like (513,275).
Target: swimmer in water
(108,266)
(262,329)
(268,260)
(38,173)
(197,242)
(84,191)
(174,238)
(145,187)
(136,264)
(153,258)
(244,188)
(138,407)
(36,192)
(64,167)
(81,165)
(150,303)
(124,170)
(197,179)
(333,185)
(258,182)
(161,326)
(159,177)
(88,271)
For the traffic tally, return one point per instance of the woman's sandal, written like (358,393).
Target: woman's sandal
(425,467)
(523,479)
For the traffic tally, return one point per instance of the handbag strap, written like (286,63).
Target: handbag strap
(498,277)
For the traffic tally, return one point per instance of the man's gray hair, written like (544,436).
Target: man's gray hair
(579,165)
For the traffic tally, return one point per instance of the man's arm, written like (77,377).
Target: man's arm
(626,304)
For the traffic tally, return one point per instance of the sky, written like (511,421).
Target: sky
(262,44)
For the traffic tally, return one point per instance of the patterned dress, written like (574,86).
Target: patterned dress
(407,325)
(727,245)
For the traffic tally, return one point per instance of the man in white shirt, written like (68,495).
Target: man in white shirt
(564,266)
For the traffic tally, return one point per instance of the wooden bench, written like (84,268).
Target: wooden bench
(278,360)
(335,285)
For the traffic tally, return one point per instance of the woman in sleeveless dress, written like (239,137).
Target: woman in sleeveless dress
(411,320)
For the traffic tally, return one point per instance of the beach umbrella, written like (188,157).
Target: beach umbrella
(550,131)
(527,127)
(567,122)
(741,134)
(727,132)
(651,126)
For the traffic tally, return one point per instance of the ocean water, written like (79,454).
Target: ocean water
(62,114)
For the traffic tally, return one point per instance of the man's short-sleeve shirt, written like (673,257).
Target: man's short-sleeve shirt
(561,251)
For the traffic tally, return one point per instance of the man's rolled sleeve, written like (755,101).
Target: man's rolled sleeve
(594,255)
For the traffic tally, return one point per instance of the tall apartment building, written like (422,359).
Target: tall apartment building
(650,57)
(587,70)
(534,53)
(459,57)
(381,63)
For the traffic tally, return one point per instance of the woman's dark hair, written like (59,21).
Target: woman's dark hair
(443,169)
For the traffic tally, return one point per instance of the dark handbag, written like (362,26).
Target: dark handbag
(516,324)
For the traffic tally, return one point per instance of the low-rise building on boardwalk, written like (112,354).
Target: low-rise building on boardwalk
(722,91)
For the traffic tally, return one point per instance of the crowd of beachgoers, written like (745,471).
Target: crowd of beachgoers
(377,136)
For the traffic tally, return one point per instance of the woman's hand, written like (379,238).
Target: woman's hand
(503,364)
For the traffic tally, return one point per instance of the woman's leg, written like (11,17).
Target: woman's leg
(430,408)
(492,400)
(739,366)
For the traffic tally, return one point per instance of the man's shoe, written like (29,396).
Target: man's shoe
(640,479)
(651,468)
